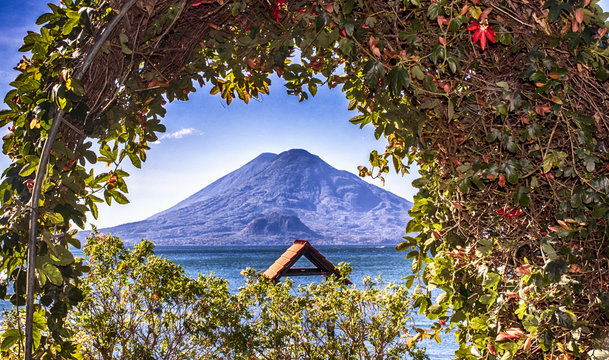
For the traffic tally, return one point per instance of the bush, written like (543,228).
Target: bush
(142,306)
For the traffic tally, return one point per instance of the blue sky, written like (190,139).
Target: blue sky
(206,139)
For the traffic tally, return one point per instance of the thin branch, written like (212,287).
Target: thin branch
(41,174)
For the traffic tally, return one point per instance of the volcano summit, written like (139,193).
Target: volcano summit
(274,199)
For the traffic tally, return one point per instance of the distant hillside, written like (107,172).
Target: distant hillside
(275,199)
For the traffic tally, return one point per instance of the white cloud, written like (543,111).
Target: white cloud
(178,134)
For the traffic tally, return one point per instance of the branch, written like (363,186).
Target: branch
(40,175)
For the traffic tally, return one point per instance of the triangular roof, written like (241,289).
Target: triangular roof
(283,265)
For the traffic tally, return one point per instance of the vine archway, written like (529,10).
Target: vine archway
(504,106)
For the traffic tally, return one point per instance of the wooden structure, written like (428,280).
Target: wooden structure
(283,265)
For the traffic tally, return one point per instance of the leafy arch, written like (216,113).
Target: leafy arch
(502,104)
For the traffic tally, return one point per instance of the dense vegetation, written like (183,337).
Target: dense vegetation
(503,105)
(140,306)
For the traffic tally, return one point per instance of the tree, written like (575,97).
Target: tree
(138,305)
(503,105)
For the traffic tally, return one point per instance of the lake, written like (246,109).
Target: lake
(228,261)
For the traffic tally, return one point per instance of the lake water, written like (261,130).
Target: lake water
(228,261)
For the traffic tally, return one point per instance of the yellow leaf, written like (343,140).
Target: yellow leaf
(475,12)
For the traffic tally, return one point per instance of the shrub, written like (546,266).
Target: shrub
(142,306)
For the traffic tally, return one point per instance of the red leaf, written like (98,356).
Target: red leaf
(512,333)
(501,177)
(524,269)
(485,13)
(579,15)
(198,3)
(491,348)
(574,26)
(527,344)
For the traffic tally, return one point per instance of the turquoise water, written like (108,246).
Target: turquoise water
(228,261)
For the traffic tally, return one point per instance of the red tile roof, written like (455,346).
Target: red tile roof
(295,252)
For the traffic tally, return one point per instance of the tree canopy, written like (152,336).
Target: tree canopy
(504,105)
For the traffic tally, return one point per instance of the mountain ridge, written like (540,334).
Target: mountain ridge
(274,199)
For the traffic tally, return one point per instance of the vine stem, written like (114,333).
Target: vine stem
(40,175)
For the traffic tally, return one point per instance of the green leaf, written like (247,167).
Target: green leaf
(548,162)
(602,73)
(90,156)
(409,281)
(590,163)
(40,324)
(124,40)
(429,84)
(546,340)
(119,197)
(521,197)
(312,89)
(451,110)
(549,251)
(61,256)
(52,273)
(435,309)
(417,72)
(413,226)
(348,6)
(510,145)
(375,72)
(108,155)
(346,46)
(566,319)
(28,169)
(411,255)
(398,80)
(69,25)
(402,245)
(434,11)
(443,297)
(452,63)
(485,246)
(9,338)
(409,37)
(479,324)
(491,281)
(556,7)
(75,86)
(415,266)
(554,269)
(458,317)
(135,160)
(108,197)
(512,171)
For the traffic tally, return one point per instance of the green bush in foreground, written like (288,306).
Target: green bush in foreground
(142,306)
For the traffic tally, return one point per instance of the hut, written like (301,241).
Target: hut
(283,265)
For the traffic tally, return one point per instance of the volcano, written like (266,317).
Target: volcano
(275,199)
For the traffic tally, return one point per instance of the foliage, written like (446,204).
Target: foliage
(330,320)
(142,306)
(510,221)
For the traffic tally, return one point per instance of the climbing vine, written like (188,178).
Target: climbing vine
(503,105)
